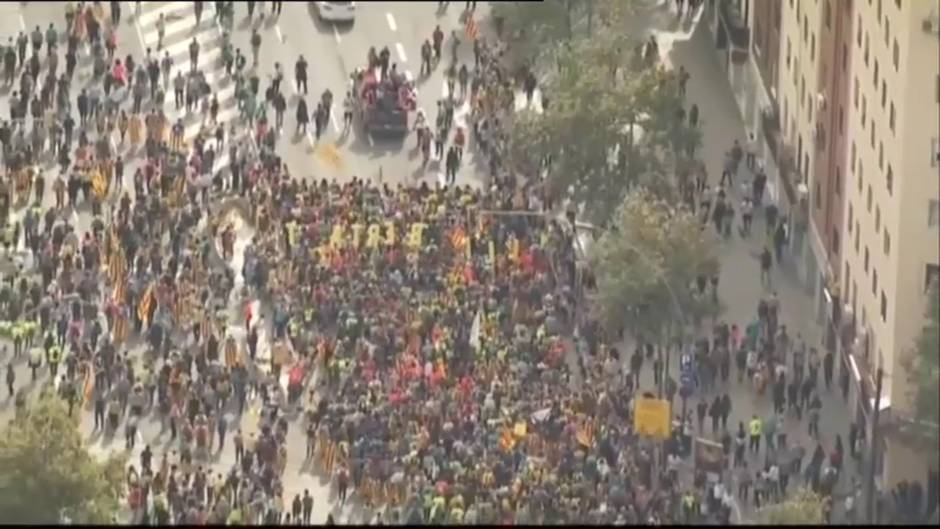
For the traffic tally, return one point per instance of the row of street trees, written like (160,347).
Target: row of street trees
(47,473)
(610,144)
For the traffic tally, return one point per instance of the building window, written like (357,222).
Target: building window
(835,240)
(866,49)
(865,263)
(896,55)
(868,200)
(838,180)
(877,219)
(887,31)
(887,243)
(856,238)
(861,176)
(891,117)
(858,34)
(934,152)
(933,213)
(805,29)
(855,93)
(816,198)
(872,134)
(812,48)
(851,216)
(889,180)
(854,296)
(874,77)
(881,156)
(854,155)
(874,281)
(879,10)
(788,53)
(884,93)
(845,57)
(932,276)
(841,119)
(864,110)
(827,14)
(884,307)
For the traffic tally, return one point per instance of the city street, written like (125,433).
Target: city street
(333,52)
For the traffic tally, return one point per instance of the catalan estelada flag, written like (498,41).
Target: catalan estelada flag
(146,304)
(472,29)
(99,184)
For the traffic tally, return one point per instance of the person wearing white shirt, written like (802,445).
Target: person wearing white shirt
(751,150)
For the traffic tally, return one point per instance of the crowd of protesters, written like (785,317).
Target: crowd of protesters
(425,337)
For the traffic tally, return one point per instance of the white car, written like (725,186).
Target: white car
(336,11)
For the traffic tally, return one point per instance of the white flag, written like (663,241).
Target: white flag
(475,332)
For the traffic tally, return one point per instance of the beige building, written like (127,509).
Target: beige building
(892,198)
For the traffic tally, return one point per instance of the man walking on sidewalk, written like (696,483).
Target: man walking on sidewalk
(766,262)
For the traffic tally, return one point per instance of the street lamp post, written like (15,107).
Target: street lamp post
(873,451)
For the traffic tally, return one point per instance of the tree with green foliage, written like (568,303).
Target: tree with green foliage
(802,507)
(922,365)
(47,471)
(536,29)
(610,127)
(646,265)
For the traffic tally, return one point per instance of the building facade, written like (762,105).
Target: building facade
(892,200)
(844,99)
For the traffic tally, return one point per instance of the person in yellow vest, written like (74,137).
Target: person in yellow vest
(755,429)
(55,356)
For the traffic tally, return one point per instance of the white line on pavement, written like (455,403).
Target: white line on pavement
(22,22)
(444,91)
(277,29)
(336,34)
(168,9)
(391,22)
(333,120)
(401,52)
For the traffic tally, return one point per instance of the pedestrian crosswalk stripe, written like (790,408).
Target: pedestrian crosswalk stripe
(180,30)
(150,11)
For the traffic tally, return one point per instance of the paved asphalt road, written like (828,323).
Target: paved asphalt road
(333,51)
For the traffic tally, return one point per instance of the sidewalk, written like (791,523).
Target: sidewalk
(740,288)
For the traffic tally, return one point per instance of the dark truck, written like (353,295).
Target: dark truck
(382,107)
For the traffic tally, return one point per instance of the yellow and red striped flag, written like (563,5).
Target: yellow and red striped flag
(146,304)
(472,28)
(99,184)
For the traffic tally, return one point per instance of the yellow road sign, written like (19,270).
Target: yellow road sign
(330,155)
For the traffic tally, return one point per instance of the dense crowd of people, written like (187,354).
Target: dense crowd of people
(426,337)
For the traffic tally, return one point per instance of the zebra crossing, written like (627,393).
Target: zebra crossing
(180,29)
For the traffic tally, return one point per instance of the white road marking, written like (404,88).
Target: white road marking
(333,119)
(22,22)
(391,22)
(444,90)
(336,34)
(168,9)
(280,36)
(183,26)
(140,34)
(371,141)
(401,52)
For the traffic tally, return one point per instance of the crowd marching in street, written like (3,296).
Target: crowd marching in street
(424,336)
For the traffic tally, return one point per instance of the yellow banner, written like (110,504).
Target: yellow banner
(651,418)
(330,155)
